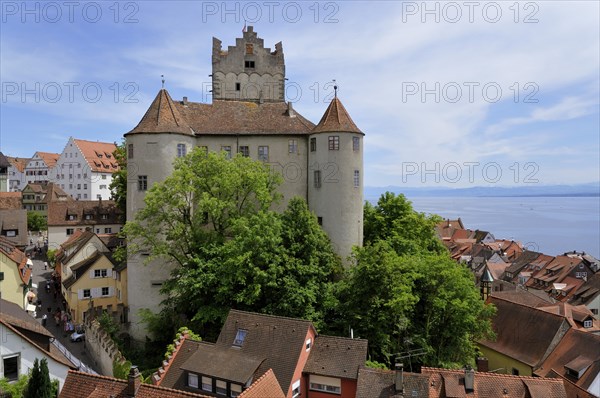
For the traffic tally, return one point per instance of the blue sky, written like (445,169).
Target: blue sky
(449,94)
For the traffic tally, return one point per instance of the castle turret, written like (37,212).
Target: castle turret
(152,146)
(248,71)
(335,180)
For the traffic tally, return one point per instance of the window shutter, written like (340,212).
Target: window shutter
(114,274)
(80,294)
(111,291)
(96,292)
(91,274)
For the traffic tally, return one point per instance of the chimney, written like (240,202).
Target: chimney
(482,364)
(185,101)
(399,381)
(134,380)
(469,379)
(290,110)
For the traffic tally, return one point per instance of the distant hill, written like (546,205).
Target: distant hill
(589,190)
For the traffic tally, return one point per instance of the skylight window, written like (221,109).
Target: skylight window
(239,337)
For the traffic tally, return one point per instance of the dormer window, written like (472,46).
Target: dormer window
(249,64)
(240,336)
(588,323)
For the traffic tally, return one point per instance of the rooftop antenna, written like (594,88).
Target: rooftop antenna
(163,80)
(335,88)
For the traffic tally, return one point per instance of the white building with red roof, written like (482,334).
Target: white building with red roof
(84,169)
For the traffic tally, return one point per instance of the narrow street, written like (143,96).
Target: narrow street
(41,275)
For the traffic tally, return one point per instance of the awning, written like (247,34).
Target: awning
(31,307)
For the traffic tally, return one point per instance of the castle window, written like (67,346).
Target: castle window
(334,142)
(313,144)
(130,151)
(238,87)
(142,183)
(227,149)
(263,153)
(356,178)
(181,150)
(320,221)
(355,144)
(245,151)
(317,178)
(249,48)
(249,64)
(292,146)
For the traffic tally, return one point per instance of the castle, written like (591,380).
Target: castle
(321,163)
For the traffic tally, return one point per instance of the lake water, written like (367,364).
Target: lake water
(551,225)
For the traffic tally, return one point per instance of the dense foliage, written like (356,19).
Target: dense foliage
(36,222)
(118,185)
(404,293)
(39,385)
(212,217)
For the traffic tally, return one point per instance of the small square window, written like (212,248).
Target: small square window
(227,149)
(11,367)
(105,291)
(292,146)
(240,336)
(245,151)
(317,178)
(192,380)
(142,183)
(588,323)
(263,153)
(87,293)
(334,143)
(70,231)
(355,144)
(181,150)
(249,64)
(207,384)
(238,87)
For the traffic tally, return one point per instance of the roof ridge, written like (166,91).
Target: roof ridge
(261,378)
(340,337)
(503,375)
(272,316)
(525,305)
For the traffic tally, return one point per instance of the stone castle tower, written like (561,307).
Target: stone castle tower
(321,163)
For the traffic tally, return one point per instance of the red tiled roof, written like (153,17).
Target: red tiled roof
(445,383)
(20,259)
(11,200)
(265,386)
(537,331)
(335,119)
(85,385)
(220,118)
(336,357)
(581,351)
(18,163)
(98,155)
(49,158)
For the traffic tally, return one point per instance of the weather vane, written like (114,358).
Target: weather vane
(163,80)
(335,88)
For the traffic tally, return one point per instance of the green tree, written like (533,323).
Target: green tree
(36,221)
(394,220)
(265,266)
(39,385)
(402,303)
(118,185)
(14,389)
(199,203)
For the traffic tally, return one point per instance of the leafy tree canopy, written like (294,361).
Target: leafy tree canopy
(394,220)
(118,185)
(36,221)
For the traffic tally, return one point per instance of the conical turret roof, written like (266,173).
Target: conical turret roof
(336,119)
(162,117)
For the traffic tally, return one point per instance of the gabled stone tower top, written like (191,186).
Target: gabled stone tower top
(248,71)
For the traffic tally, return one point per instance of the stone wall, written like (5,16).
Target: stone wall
(101,347)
